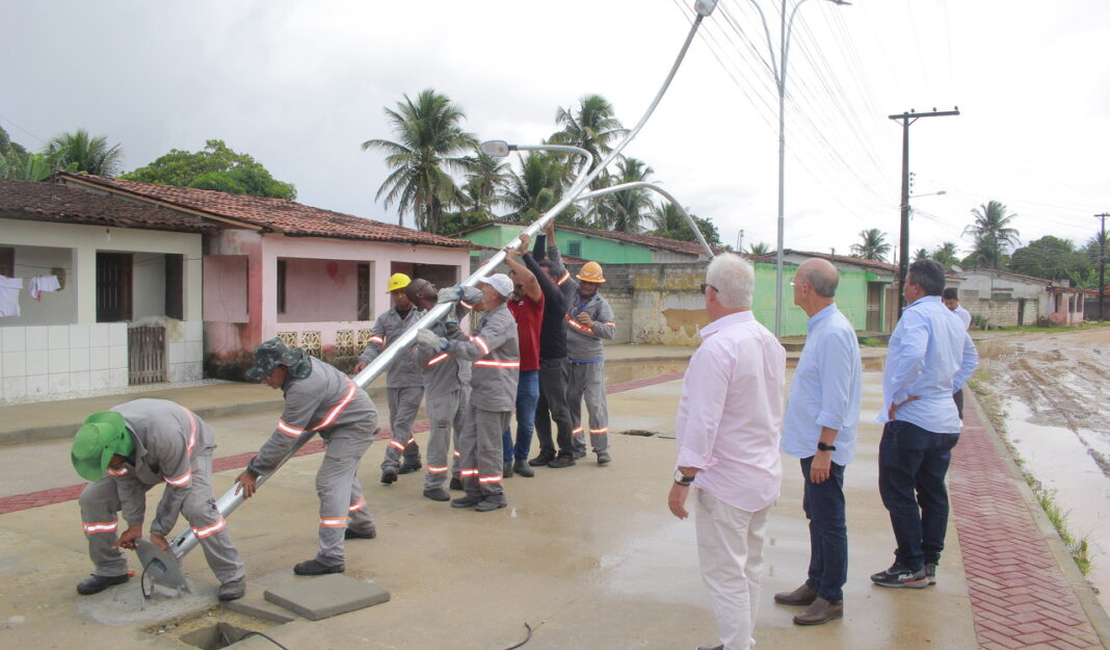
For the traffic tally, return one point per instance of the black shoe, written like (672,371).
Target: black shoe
(899,575)
(466,502)
(355,534)
(490,504)
(931,572)
(456,484)
(520,466)
(437,494)
(410,466)
(95,584)
(232,590)
(507,469)
(579,453)
(603,458)
(542,459)
(314,568)
(389,476)
(562,460)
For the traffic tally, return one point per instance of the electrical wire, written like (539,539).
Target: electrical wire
(261,634)
(527,638)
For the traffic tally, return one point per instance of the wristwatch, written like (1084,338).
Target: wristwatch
(682,479)
(823,447)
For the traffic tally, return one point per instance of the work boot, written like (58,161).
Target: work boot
(360,534)
(410,465)
(545,456)
(314,568)
(804,595)
(437,494)
(520,466)
(95,584)
(389,476)
(491,504)
(232,590)
(821,611)
(456,483)
(716,647)
(562,460)
(466,502)
(579,452)
(603,458)
(507,470)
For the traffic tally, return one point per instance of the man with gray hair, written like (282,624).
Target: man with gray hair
(820,429)
(727,429)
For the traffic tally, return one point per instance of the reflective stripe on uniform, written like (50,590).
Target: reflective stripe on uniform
(576,431)
(201,533)
(457,454)
(396,444)
(100,527)
(466,304)
(352,390)
(333,522)
(377,339)
(192,443)
(599,431)
(468,472)
(436,359)
(288,429)
(563,280)
(357,505)
(578,326)
(123,471)
(490,363)
(489,479)
(436,469)
(180,481)
(480,342)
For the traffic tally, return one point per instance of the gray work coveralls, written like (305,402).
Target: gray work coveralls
(172,445)
(329,403)
(404,386)
(446,390)
(587,360)
(494,349)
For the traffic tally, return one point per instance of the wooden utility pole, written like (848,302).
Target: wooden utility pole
(1101,263)
(904,240)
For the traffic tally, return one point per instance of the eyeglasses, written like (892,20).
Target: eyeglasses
(705,285)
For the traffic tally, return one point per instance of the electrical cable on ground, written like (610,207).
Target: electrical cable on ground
(264,636)
(526,638)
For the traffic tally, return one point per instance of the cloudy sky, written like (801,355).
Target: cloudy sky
(299,85)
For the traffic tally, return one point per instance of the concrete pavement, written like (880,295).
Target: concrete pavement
(589,557)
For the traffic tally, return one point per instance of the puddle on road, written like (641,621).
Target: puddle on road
(618,372)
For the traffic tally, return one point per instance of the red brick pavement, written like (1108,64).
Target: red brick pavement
(41,498)
(1019,597)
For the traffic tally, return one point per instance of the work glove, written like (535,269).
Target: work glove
(450,294)
(431,339)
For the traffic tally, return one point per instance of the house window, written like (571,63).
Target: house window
(175,286)
(113,287)
(363,297)
(574,248)
(281,286)
(7,262)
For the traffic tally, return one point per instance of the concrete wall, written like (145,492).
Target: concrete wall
(997,298)
(320,290)
(41,360)
(53,308)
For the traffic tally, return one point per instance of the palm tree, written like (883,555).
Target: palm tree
(428,149)
(90,155)
(592,127)
(486,182)
(873,247)
(537,187)
(759,248)
(623,211)
(666,220)
(992,233)
(921,254)
(946,254)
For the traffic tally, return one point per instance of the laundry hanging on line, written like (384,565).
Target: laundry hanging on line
(41,284)
(9,296)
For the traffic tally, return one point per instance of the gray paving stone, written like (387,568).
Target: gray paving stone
(325,596)
(258,608)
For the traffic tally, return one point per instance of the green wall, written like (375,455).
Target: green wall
(851,299)
(597,249)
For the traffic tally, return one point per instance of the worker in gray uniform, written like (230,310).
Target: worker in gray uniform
(404,384)
(321,399)
(589,320)
(126,451)
(446,386)
(494,349)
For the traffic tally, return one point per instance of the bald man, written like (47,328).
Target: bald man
(820,429)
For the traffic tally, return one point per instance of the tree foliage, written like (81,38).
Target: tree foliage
(1050,258)
(78,151)
(667,221)
(216,167)
(16,163)
(992,234)
(873,245)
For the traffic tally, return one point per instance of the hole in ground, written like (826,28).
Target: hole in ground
(212,637)
(638,432)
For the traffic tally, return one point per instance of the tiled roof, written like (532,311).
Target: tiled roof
(276,215)
(648,241)
(845,259)
(1009,274)
(57,203)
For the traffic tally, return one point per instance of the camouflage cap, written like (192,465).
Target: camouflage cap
(274,353)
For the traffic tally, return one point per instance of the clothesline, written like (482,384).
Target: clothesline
(36,286)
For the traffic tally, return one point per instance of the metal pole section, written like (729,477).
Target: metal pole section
(665,193)
(1101,264)
(230,500)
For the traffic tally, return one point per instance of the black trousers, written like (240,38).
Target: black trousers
(553,406)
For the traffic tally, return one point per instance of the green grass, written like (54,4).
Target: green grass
(992,405)
(1051,330)
(870,342)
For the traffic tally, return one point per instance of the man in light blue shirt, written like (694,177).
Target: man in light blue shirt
(820,429)
(930,357)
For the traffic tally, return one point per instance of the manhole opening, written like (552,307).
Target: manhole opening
(212,637)
(210,628)
(639,432)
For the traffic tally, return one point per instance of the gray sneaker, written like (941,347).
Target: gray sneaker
(899,576)
(931,572)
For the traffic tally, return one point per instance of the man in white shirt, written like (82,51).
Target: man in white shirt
(951,300)
(820,430)
(727,429)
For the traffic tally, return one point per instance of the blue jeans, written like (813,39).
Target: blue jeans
(527,395)
(828,532)
(911,460)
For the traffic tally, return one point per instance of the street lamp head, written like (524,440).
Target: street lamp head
(840,2)
(496,148)
(705,7)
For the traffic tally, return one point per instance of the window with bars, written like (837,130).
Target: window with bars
(113,287)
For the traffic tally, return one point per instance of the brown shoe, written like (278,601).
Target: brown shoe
(801,596)
(821,611)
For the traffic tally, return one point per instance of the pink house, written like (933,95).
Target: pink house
(312,277)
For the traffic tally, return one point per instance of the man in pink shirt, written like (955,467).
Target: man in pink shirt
(727,430)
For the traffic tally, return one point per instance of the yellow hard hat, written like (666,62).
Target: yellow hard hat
(397,281)
(591,272)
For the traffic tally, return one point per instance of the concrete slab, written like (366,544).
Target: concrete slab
(262,609)
(326,596)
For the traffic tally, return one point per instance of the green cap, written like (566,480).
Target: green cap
(102,435)
(274,353)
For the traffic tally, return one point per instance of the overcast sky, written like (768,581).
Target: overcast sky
(299,85)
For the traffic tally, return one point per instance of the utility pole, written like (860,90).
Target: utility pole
(904,241)
(1101,264)
(740,241)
